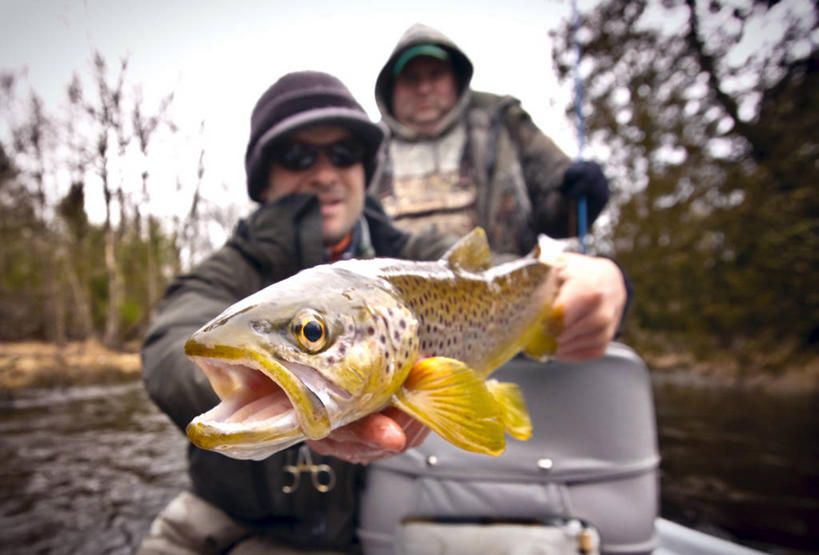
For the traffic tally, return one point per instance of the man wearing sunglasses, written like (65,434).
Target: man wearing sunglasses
(325,161)
(311,151)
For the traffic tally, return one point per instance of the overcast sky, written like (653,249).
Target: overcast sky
(218,57)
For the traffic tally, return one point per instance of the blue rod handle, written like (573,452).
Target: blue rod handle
(582,223)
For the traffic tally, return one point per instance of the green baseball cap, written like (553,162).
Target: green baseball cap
(432,50)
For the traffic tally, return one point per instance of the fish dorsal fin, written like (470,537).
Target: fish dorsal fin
(514,414)
(446,395)
(470,253)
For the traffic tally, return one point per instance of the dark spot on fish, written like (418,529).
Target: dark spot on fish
(331,360)
(370,330)
(402,324)
(342,348)
(383,339)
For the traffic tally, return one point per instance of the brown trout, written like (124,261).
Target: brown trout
(337,342)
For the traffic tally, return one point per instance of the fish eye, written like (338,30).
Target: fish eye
(310,331)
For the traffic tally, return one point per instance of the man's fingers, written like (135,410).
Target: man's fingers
(584,342)
(416,434)
(348,451)
(580,351)
(414,431)
(377,430)
(592,325)
(373,437)
(577,305)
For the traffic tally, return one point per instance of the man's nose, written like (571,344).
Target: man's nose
(324,173)
(425,84)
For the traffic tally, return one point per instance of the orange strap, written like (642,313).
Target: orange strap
(338,248)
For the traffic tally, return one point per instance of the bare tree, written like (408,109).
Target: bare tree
(144,127)
(106,115)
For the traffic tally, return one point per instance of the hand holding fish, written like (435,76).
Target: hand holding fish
(376,436)
(593,295)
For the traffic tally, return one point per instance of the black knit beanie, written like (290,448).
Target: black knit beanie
(297,100)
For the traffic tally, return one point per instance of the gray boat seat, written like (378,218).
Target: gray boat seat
(592,457)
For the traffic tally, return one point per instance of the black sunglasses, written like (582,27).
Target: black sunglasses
(296,156)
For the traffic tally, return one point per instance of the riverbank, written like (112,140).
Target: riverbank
(31,364)
(723,370)
(37,364)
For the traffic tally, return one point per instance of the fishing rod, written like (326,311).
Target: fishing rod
(582,210)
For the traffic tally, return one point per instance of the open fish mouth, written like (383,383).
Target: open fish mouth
(266,405)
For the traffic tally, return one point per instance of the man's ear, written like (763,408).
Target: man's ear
(266,195)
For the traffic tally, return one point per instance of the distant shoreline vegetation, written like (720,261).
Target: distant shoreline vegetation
(33,364)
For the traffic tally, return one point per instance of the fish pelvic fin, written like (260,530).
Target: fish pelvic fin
(514,414)
(446,395)
(470,253)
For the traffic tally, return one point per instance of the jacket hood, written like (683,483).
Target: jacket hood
(422,34)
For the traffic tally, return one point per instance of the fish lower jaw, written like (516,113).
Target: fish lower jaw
(244,427)
(256,420)
(239,440)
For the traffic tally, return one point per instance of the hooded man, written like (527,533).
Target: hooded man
(459,158)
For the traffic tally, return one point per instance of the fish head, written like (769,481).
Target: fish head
(299,359)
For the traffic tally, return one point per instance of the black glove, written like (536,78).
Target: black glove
(283,237)
(586,179)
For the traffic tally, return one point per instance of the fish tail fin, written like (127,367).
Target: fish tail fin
(514,414)
(446,395)
(542,343)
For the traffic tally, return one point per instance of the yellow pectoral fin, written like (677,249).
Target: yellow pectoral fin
(514,414)
(447,396)
(543,339)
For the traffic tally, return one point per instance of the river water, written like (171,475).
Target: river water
(743,465)
(84,470)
